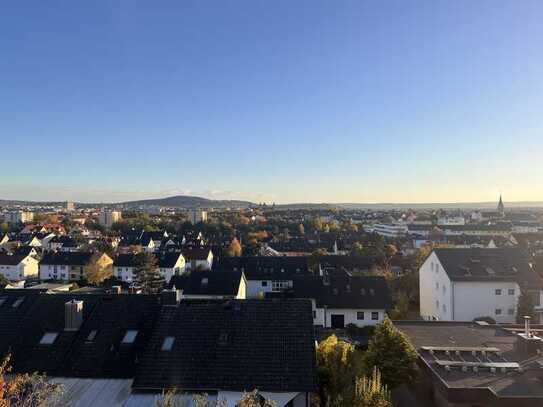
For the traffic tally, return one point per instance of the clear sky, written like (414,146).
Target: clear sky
(286,101)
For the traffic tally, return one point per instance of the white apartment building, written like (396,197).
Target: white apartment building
(391,230)
(18,217)
(197,215)
(464,284)
(108,217)
(18,267)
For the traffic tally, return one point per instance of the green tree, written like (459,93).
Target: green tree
(3,280)
(315,258)
(338,365)
(525,307)
(147,273)
(357,249)
(371,392)
(391,352)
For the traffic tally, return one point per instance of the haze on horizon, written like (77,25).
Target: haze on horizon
(309,101)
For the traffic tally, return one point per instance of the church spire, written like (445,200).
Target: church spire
(501,208)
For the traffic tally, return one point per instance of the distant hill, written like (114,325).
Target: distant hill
(183,201)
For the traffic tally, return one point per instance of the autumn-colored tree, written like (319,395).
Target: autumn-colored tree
(317,224)
(234,249)
(371,392)
(255,399)
(26,390)
(96,272)
(391,352)
(301,229)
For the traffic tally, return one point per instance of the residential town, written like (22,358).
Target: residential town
(136,301)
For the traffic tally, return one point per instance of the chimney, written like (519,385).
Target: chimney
(170,297)
(527,342)
(73,315)
(116,289)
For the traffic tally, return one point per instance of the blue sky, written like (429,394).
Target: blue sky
(322,101)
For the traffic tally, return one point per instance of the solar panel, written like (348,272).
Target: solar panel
(459,349)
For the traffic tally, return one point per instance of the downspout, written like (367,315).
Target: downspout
(452,300)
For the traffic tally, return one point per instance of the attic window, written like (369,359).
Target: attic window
(48,338)
(335,291)
(348,288)
(18,302)
(205,281)
(130,337)
(223,338)
(3,300)
(92,335)
(362,291)
(372,291)
(167,344)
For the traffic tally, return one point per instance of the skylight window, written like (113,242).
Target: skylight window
(167,344)
(205,281)
(92,335)
(48,338)
(3,300)
(130,337)
(18,302)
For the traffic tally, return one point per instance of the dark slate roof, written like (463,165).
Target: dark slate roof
(345,291)
(11,259)
(125,260)
(218,282)
(106,356)
(503,264)
(168,260)
(47,315)
(24,250)
(263,267)
(233,345)
(67,258)
(196,253)
(11,317)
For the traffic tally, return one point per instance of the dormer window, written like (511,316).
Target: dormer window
(18,302)
(129,337)
(362,291)
(372,291)
(48,338)
(205,281)
(3,300)
(92,335)
(167,343)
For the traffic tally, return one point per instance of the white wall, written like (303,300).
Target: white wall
(463,301)
(435,290)
(474,299)
(350,316)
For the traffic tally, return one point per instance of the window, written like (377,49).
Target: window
(3,300)
(18,302)
(360,315)
(205,281)
(167,344)
(444,289)
(444,308)
(437,304)
(372,291)
(362,291)
(498,291)
(498,311)
(130,336)
(437,286)
(264,283)
(92,335)
(314,314)
(511,291)
(375,316)
(511,311)
(48,338)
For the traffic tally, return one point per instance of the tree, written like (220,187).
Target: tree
(317,224)
(25,390)
(234,249)
(315,257)
(3,280)
(371,392)
(402,306)
(255,399)
(357,249)
(4,227)
(525,307)
(147,273)
(391,352)
(301,229)
(338,365)
(96,272)
(390,251)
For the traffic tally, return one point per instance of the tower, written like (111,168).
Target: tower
(501,208)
